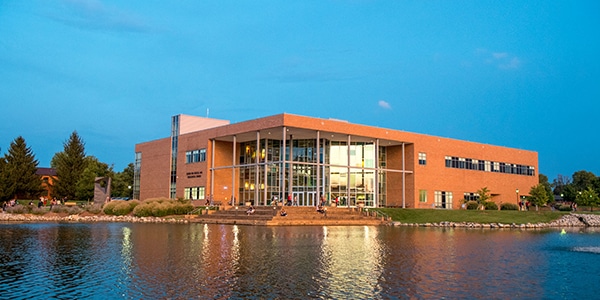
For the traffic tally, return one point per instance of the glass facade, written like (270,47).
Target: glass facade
(136,175)
(349,175)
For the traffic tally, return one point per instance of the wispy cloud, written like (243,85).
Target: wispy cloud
(384,104)
(95,15)
(514,63)
(502,60)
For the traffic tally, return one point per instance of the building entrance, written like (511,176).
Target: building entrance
(304,198)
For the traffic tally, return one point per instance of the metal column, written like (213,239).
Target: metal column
(403,179)
(282,168)
(348,175)
(212,169)
(256,173)
(319,163)
(233,172)
(376,202)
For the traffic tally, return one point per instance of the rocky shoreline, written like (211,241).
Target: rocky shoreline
(85,218)
(570,220)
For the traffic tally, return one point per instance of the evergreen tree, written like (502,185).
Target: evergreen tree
(69,165)
(19,171)
(4,193)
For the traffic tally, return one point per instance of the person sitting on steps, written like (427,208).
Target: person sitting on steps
(320,209)
(250,210)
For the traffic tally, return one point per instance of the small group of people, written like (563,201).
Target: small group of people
(10,203)
(573,206)
(524,205)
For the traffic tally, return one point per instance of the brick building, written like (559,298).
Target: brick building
(307,159)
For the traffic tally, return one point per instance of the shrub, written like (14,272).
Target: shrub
(161,207)
(143,210)
(108,207)
(57,209)
(38,211)
(73,210)
(121,208)
(94,208)
(17,209)
(565,208)
(509,206)
(489,205)
(133,203)
(472,204)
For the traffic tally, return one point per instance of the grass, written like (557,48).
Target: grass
(475,216)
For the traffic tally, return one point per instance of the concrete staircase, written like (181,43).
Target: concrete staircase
(296,215)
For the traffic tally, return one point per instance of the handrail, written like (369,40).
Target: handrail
(196,211)
(381,214)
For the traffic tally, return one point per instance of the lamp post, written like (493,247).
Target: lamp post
(517,191)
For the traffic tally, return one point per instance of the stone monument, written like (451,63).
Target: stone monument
(102,190)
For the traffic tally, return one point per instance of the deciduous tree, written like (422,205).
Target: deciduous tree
(123,182)
(94,168)
(538,195)
(582,180)
(588,197)
(484,196)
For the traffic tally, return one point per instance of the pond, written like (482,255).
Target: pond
(185,261)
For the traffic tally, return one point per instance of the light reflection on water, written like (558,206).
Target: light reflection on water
(177,261)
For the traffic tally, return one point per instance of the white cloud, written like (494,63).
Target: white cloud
(502,60)
(499,55)
(384,104)
(514,63)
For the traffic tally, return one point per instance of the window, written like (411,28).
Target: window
(485,165)
(194,193)
(471,196)
(194,156)
(422,158)
(443,199)
(422,196)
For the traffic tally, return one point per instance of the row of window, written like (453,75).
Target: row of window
(467,196)
(194,193)
(195,156)
(442,199)
(488,166)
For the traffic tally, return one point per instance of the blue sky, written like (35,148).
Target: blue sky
(523,74)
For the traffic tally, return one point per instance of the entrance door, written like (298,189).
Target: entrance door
(311,199)
(299,197)
(305,198)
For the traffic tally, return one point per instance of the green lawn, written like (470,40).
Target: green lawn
(476,216)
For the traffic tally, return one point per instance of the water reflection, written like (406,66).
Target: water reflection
(177,261)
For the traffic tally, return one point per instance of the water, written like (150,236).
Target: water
(197,261)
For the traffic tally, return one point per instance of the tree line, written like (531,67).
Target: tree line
(75,173)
